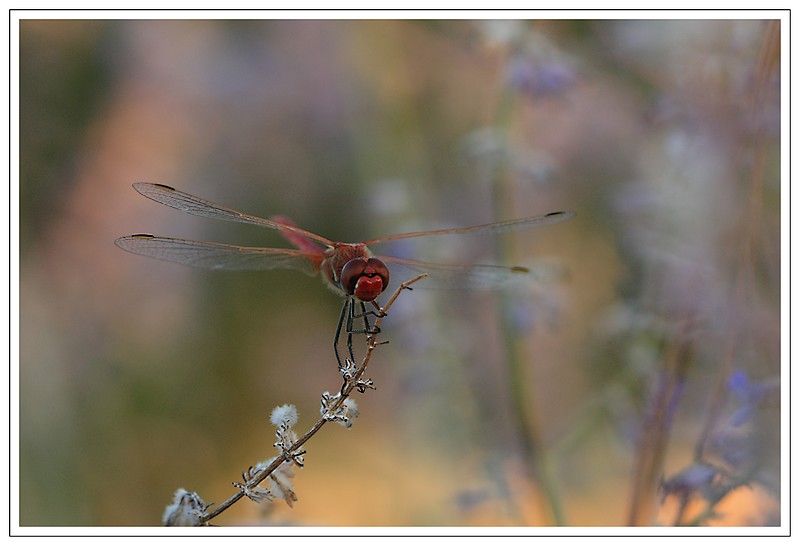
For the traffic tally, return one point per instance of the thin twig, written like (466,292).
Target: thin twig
(350,384)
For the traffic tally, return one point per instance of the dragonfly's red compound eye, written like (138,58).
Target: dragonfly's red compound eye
(365,279)
(351,271)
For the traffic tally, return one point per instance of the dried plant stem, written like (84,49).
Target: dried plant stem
(347,388)
(535,452)
(656,428)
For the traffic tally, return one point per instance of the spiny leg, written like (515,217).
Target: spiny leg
(363,314)
(339,331)
(349,311)
(350,327)
(351,330)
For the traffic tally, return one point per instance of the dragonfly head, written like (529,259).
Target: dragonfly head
(364,278)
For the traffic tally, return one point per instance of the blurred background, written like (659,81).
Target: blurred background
(635,380)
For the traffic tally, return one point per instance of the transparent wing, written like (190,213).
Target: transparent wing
(198,206)
(219,256)
(495,227)
(456,276)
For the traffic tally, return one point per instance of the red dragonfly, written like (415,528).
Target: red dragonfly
(348,268)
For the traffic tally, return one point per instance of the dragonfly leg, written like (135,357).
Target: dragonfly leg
(347,320)
(364,314)
(380,312)
(347,304)
(350,330)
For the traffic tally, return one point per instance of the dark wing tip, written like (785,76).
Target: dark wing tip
(123,241)
(142,186)
(564,214)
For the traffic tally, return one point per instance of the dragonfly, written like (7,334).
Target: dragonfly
(350,269)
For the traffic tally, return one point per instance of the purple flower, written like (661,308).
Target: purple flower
(737,441)
(540,77)
(749,395)
(696,478)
